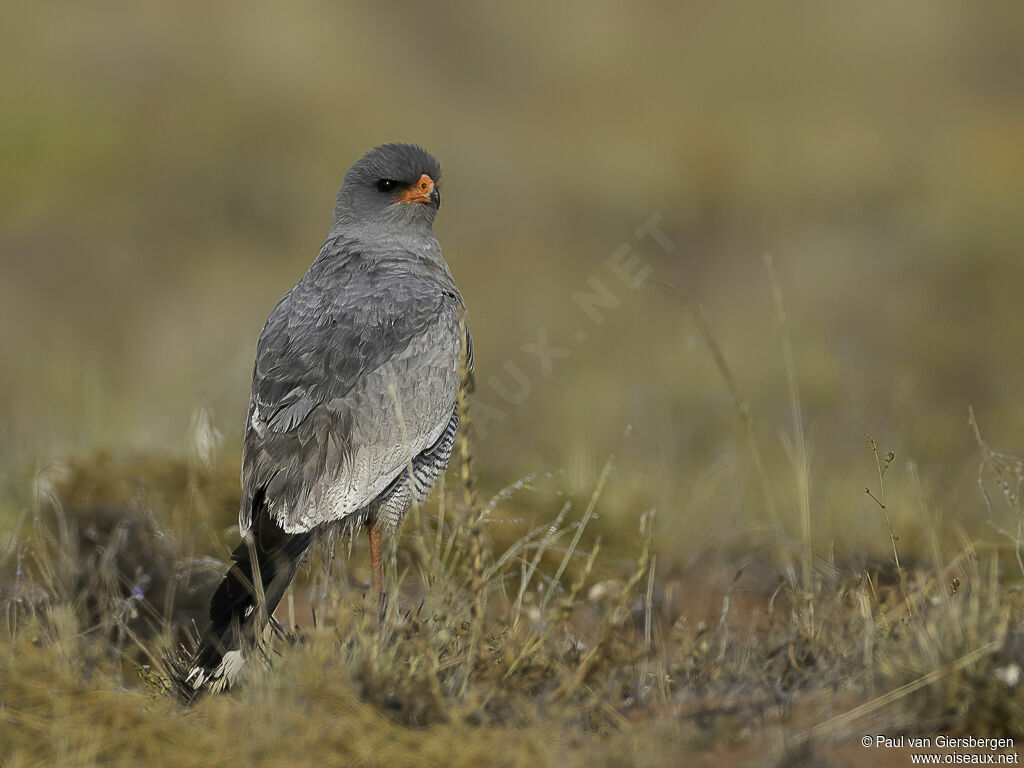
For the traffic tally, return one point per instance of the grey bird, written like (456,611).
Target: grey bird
(353,410)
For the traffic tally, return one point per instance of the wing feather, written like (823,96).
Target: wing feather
(348,386)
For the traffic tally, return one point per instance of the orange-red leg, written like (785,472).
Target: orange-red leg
(376,556)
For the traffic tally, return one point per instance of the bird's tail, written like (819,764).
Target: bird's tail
(263,566)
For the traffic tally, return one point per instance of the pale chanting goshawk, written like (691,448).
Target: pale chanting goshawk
(356,379)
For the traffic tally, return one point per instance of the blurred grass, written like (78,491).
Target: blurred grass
(169,173)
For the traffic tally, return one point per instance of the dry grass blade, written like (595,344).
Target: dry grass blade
(587,515)
(796,446)
(838,727)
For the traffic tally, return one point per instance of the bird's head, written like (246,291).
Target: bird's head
(394,186)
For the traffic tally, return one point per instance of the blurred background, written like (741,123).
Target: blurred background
(169,171)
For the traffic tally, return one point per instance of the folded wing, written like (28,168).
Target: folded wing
(348,388)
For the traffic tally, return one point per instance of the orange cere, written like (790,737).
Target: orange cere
(418,192)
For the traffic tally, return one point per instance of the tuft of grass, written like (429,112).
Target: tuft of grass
(521,646)
(1005,473)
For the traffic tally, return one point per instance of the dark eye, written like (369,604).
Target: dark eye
(386,185)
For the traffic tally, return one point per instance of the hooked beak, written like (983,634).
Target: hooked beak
(423,191)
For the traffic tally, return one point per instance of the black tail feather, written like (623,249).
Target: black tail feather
(263,566)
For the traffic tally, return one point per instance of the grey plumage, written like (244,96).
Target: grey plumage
(356,377)
(335,369)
